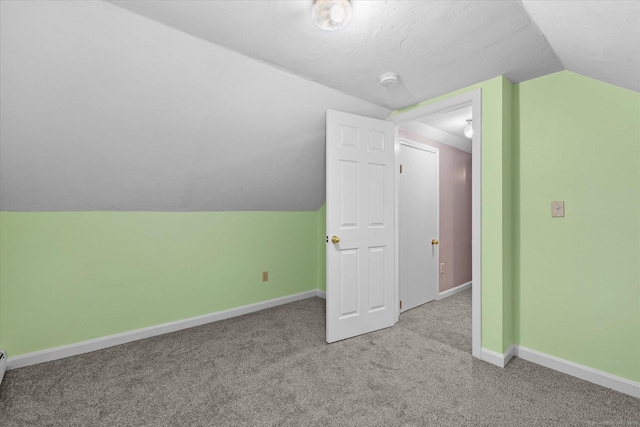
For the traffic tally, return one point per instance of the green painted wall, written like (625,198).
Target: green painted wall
(566,287)
(508,231)
(497,231)
(321,251)
(67,277)
(578,292)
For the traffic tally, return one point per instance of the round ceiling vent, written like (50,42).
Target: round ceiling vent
(389,79)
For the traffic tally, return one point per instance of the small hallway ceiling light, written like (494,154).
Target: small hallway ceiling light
(468,129)
(331,15)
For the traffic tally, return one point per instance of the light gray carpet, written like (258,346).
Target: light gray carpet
(274,368)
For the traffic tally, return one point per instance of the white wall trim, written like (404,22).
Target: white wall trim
(453,291)
(396,223)
(321,294)
(603,379)
(585,373)
(475,98)
(439,135)
(497,359)
(151,331)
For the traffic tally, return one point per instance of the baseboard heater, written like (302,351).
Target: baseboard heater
(3,364)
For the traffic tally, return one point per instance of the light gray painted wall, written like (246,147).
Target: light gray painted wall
(102,109)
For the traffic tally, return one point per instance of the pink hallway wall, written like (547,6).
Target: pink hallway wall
(455,211)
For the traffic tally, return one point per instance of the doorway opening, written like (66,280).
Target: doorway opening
(436,122)
(362,211)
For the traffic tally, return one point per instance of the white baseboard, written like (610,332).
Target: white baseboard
(497,359)
(453,291)
(604,379)
(138,334)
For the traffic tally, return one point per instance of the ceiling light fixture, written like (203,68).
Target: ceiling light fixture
(468,129)
(331,15)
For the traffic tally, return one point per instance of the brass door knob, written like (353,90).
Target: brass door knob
(434,242)
(335,239)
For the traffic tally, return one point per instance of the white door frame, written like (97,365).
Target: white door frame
(475,98)
(424,147)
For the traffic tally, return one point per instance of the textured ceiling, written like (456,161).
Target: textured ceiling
(219,105)
(102,109)
(435,46)
(598,39)
(451,121)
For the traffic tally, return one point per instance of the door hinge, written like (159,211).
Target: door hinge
(400,304)
(400,168)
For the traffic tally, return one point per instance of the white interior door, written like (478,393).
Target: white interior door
(418,201)
(360,225)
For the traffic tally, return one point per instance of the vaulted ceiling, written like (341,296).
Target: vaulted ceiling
(219,105)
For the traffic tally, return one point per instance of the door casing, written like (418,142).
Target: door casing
(475,98)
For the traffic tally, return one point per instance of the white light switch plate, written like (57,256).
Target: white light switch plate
(557,209)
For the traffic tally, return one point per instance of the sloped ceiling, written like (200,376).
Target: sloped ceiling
(102,109)
(219,105)
(598,39)
(435,46)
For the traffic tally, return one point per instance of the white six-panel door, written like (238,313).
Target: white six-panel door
(360,225)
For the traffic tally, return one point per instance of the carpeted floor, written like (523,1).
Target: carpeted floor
(274,368)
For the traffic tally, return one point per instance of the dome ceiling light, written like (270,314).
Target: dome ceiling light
(331,15)
(468,129)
